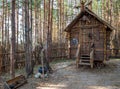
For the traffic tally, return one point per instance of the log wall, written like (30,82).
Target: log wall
(90,31)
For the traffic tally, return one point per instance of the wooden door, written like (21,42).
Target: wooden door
(86,41)
(99,44)
(92,37)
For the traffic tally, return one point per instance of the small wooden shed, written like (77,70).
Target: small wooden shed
(89,38)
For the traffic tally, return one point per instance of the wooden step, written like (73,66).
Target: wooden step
(85,60)
(85,57)
(84,63)
(85,54)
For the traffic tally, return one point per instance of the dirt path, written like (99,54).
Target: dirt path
(66,76)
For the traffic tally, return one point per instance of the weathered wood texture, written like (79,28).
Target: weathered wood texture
(17,81)
(92,33)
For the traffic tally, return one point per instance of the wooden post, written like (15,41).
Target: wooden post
(105,49)
(78,52)
(77,55)
(92,57)
(69,46)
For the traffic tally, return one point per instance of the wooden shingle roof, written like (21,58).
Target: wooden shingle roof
(68,28)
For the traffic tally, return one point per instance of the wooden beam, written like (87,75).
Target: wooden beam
(86,26)
(78,52)
(105,48)
(89,26)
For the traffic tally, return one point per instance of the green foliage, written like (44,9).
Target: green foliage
(116,6)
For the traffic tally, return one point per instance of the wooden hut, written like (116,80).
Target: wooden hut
(89,38)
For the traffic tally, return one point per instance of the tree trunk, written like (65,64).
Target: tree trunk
(28,43)
(3,23)
(12,60)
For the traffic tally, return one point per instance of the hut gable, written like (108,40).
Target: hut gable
(83,15)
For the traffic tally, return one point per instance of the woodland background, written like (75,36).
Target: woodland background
(26,25)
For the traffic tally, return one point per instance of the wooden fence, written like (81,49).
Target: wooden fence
(56,53)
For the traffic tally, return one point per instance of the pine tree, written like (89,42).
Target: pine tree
(12,60)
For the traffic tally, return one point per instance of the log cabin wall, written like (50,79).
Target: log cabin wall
(90,31)
(108,34)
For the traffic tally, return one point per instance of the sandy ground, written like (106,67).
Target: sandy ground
(66,76)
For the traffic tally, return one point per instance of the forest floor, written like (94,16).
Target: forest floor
(66,76)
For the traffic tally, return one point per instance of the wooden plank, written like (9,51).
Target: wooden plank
(69,50)
(17,81)
(92,57)
(77,52)
(85,64)
(89,26)
(86,26)
(105,48)
(85,57)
